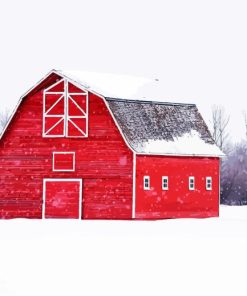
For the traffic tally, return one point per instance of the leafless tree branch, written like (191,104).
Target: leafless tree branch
(220,121)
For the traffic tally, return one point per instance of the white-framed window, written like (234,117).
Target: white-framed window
(208,183)
(191,183)
(63,161)
(164,182)
(146,183)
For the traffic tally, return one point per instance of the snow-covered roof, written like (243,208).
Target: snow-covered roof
(115,85)
(163,128)
(148,127)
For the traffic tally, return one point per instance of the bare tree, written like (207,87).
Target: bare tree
(245,122)
(220,121)
(4,117)
(234,176)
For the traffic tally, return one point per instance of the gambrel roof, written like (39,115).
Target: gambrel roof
(148,127)
(158,127)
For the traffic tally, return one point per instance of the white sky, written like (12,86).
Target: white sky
(197,49)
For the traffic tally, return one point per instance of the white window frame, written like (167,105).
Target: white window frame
(62,170)
(167,180)
(190,179)
(144,183)
(62,180)
(66,95)
(209,179)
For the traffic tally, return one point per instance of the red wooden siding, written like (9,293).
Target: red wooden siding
(103,161)
(62,199)
(178,201)
(63,161)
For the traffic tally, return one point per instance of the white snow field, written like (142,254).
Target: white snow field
(168,257)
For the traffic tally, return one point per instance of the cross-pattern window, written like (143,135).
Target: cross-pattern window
(65,111)
(164,183)
(209,183)
(191,183)
(146,182)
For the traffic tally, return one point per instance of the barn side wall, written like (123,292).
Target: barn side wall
(178,201)
(103,161)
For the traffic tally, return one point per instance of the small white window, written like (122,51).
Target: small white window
(209,183)
(191,183)
(146,182)
(164,183)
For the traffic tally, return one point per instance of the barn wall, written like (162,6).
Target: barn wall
(178,201)
(103,161)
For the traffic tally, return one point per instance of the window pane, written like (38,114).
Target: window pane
(146,182)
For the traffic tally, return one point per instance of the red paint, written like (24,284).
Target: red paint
(104,163)
(62,199)
(63,161)
(26,159)
(178,201)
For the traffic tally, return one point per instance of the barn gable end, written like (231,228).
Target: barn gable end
(27,159)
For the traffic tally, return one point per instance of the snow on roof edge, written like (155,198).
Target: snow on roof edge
(62,73)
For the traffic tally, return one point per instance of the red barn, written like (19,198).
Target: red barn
(73,150)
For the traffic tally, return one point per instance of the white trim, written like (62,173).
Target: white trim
(66,96)
(167,182)
(54,115)
(134,187)
(79,94)
(62,170)
(66,111)
(191,178)
(86,89)
(82,132)
(180,154)
(82,111)
(144,185)
(54,93)
(53,85)
(62,180)
(45,115)
(211,185)
(50,129)
(53,104)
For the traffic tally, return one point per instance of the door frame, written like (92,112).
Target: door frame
(61,180)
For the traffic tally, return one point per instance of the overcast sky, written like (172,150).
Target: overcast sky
(197,49)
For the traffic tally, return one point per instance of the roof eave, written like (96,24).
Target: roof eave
(180,154)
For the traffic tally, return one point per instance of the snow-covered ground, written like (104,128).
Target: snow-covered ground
(169,257)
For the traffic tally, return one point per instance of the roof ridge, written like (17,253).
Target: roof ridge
(141,101)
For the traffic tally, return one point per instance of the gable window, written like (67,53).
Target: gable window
(65,111)
(209,183)
(191,183)
(164,183)
(146,182)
